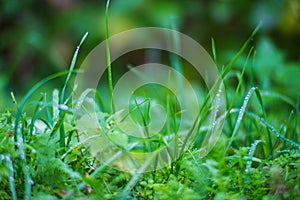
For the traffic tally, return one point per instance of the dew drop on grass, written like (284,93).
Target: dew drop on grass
(11,178)
(31,182)
(63,107)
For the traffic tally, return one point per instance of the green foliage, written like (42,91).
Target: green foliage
(42,155)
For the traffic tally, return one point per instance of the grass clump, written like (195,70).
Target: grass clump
(42,155)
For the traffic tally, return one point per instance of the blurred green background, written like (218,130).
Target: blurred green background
(38,38)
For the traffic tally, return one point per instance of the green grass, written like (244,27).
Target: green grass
(43,156)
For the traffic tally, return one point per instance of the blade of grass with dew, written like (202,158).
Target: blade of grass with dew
(258,95)
(55,103)
(288,151)
(18,136)
(29,94)
(72,66)
(273,129)
(62,94)
(250,159)
(240,116)
(230,65)
(223,74)
(285,129)
(242,112)
(11,179)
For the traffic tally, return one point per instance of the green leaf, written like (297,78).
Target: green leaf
(118,138)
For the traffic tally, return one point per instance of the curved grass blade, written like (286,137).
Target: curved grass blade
(29,94)
(204,107)
(250,160)
(278,96)
(250,155)
(273,130)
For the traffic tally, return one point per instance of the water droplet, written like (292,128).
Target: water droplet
(63,107)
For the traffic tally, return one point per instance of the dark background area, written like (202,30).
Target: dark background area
(38,38)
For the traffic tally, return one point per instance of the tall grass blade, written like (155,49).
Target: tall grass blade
(240,78)
(214,52)
(110,81)
(36,113)
(240,116)
(240,52)
(295,135)
(62,94)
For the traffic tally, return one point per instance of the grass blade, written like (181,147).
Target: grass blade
(11,179)
(250,155)
(240,116)
(62,94)
(240,52)
(273,130)
(110,81)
